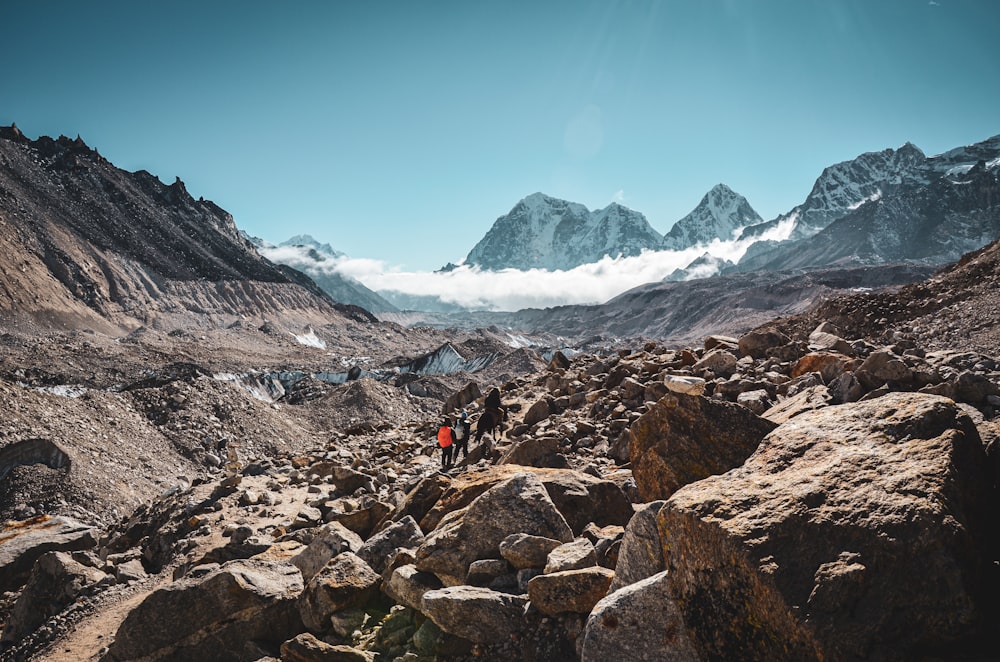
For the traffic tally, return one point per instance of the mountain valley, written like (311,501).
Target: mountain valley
(206,455)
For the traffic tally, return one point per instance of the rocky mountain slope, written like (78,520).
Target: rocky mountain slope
(547,233)
(89,245)
(888,206)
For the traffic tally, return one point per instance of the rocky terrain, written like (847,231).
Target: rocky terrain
(770,496)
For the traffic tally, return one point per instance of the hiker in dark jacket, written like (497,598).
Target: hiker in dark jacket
(463,430)
(446,441)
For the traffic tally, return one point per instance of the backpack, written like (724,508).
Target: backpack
(444,436)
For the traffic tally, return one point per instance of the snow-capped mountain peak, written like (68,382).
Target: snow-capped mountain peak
(548,233)
(720,215)
(309,241)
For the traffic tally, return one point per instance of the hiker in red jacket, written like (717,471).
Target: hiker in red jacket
(446,440)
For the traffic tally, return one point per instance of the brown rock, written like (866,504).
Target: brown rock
(307,648)
(828,523)
(757,342)
(683,438)
(829,365)
(570,590)
(518,505)
(343,582)
(814,397)
(477,614)
(213,616)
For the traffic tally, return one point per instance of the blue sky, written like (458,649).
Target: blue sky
(400,130)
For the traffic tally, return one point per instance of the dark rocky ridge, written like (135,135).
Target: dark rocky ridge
(87,241)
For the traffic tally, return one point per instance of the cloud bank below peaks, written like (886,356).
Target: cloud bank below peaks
(512,289)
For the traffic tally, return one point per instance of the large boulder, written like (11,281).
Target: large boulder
(523,551)
(517,505)
(477,614)
(757,342)
(407,585)
(570,590)
(22,543)
(639,623)
(683,438)
(55,582)
(824,530)
(213,616)
(580,497)
(344,582)
(333,539)
(378,550)
(307,648)
(462,397)
(641,553)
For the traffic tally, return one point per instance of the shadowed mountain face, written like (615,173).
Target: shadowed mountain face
(84,239)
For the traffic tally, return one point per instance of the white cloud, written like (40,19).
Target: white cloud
(513,289)
(619,197)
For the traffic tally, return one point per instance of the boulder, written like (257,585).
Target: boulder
(684,438)
(213,616)
(407,585)
(685,385)
(55,582)
(880,367)
(759,341)
(517,505)
(462,398)
(571,556)
(534,452)
(380,548)
(639,623)
(361,520)
(822,340)
(477,614)
(344,582)
(524,551)
(333,539)
(757,401)
(421,499)
(726,342)
(307,648)
(641,554)
(829,365)
(720,361)
(570,590)
(845,388)
(559,362)
(580,497)
(537,412)
(814,397)
(828,524)
(22,543)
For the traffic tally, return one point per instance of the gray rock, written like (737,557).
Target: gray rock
(22,543)
(334,539)
(518,505)
(571,556)
(55,582)
(378,550)
(474,613)
(569,591)
(344,582)
(639,623)
(641,554)
(211,617)
(407,585)
(525,551)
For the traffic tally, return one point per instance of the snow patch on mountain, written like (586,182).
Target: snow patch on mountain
(310,339)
